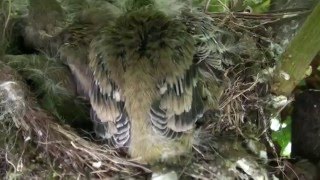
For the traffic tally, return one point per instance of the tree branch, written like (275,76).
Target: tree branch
(298,56)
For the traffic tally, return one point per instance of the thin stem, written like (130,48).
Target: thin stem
(7,19)
(207,5)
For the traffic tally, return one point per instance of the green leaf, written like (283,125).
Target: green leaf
(283,135)
(218,6)
(258,6)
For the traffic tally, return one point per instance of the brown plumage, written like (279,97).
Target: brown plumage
(142,64)
(138,70)
(145,91)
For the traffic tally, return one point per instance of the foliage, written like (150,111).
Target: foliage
(258,6)
(283,136)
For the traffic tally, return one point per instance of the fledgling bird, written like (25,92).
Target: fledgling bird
(142,66)
(145,93)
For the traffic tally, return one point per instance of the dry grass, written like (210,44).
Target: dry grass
(70,153)
(65,147)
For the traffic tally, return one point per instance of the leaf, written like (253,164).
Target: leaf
(283,135)
(258,6)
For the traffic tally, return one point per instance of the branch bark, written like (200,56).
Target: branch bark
(298,56)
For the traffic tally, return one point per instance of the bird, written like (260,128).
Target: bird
(145,93)
(144,74)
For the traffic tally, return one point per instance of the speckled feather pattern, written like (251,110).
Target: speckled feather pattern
(143,85)
(141,52)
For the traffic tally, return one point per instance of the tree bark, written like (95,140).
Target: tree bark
(298,56)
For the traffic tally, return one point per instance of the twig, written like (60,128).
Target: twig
(7,19)
(265,16)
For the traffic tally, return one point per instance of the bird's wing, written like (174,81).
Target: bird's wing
(72,44)
(108,113)
(179,107)
(76,59)
(77,47)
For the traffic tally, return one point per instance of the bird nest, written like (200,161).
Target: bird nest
(240,110)
(70,154)
(68,151)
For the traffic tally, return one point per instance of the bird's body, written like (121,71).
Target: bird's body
(144,80)
(147,58)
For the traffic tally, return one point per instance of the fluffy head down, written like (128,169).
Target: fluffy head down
(151,36)
(143,49)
